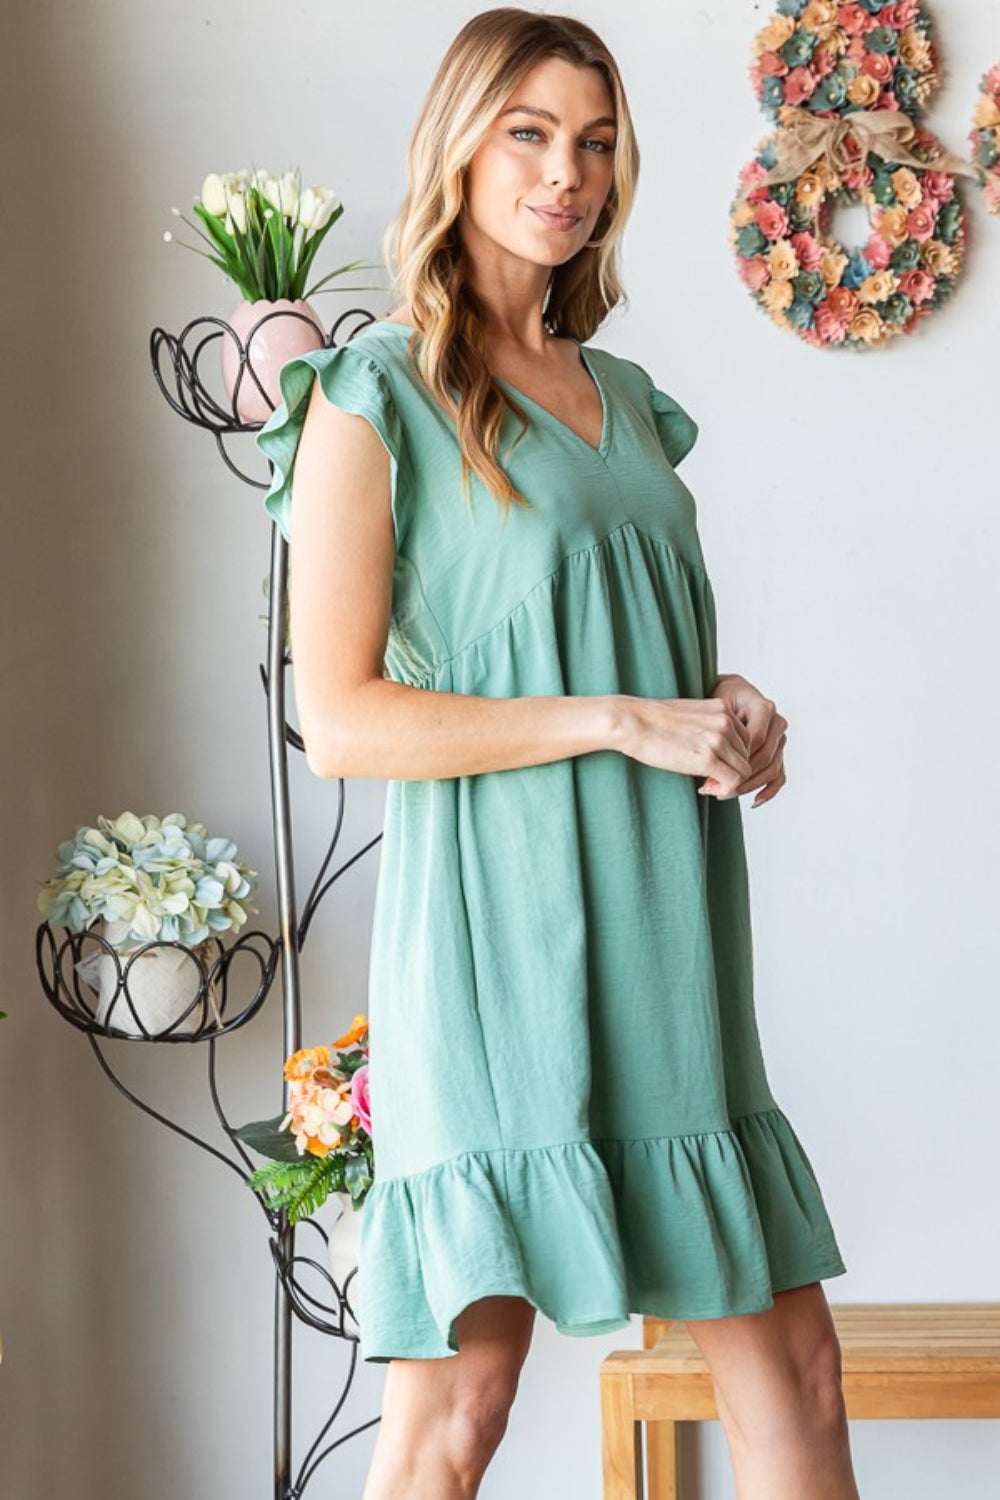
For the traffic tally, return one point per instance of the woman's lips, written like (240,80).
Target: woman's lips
(556,221)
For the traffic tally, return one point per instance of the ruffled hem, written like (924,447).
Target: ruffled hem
(589,1232)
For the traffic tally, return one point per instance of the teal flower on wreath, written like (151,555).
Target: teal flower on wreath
(897,308)
(750,240)
(905,257)
(830,93)
(949,222)
(809,286)
(884,39)
(800,314)
(799,48)
(858,269)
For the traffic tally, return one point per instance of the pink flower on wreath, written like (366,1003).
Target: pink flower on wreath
(808,250)
(360,1102)
(854,20)
(831,328)
(822,63)
(752,172)
(857,50)
(918,285)
(939,186)
(842,302)
(878,252)
(772,65)
(812,337)
(877,65)
(920,223)
(755,272)
(800,85)
(772,220)
(886,100)
(900,15)
(993,80)
(756,78)
(858,177)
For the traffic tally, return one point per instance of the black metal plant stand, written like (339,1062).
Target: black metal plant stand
(178,369)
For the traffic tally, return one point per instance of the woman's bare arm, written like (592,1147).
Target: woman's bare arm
(355,722)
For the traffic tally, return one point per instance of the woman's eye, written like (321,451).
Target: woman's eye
(520,130)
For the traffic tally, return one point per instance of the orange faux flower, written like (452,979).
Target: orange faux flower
(304,1062)
(358,1028)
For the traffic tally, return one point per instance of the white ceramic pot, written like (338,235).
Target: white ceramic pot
(161,984)
(345,1250)
(269,342)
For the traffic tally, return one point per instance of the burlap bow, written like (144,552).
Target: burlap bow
(803,139)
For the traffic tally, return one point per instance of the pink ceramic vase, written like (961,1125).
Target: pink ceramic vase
(268,341)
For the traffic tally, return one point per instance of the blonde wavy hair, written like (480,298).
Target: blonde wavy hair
(422,247)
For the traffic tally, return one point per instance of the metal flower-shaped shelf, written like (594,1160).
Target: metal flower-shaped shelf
(96,989)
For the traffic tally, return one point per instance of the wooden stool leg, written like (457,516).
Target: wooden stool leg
(621,1440)
(663,1460)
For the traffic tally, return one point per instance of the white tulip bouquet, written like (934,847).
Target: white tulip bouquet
(264,231)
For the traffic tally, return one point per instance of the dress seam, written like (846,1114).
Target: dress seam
(425,677)
(611,1140)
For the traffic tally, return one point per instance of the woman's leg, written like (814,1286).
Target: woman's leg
(777,1380)
(442,1419)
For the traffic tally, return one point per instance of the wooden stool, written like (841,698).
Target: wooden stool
(900,1359)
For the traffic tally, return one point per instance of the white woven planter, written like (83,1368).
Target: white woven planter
(161,984)
(345,1249)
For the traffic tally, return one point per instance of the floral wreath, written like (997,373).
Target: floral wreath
(985,137)
(845,83)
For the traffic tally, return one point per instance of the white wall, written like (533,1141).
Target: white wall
(849,519)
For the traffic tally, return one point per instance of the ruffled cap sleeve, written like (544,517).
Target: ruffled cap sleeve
(350,379)
(677,429)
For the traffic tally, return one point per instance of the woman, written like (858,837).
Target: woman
(499,605)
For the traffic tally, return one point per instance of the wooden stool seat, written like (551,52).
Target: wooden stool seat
(900,1359)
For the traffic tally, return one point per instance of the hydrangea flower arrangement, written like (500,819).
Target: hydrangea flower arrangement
(323,1144)
(985,137)
(828,58)
(164,877)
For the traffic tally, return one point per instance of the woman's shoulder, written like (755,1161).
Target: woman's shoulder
(676,428)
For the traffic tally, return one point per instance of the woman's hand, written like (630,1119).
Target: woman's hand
(766,737)
(693,736)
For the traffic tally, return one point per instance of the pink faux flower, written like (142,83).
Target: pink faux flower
(756,79)
(918,285)
(877,65)
(993,80)
(772,65)
(854,20)
(831,329)
(754,272)
(360,1102)
(771,220)
(800,85)
(886,100)
(858,177)
(939,186)
(900,15)
(878,252)
(808,250)
(920,223)
(752,172)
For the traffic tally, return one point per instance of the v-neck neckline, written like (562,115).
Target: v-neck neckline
(604,443)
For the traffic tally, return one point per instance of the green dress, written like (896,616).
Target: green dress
(569,1101)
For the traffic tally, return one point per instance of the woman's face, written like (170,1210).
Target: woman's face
(551,146)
